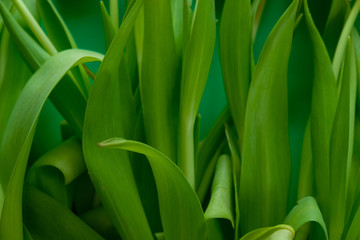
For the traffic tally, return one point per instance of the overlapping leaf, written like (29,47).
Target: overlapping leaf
(176,197)
(39,212)
(324,102)
(265,166)
(159,83)
(235,50)
(57,168)
(306,211)
(72,107)
(199,42)
(19,134)
(110,111)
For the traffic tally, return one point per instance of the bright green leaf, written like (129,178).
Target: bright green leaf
(279,232)
(221,201)
(305,211)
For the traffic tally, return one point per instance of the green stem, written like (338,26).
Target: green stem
(186,155)
(35,27)
(340,49)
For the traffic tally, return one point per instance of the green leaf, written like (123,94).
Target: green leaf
(306,175)
(19,134)
(354,174)
(305,211)
(177,21)
(236,164)
(346,31)
(28,47)
(67,158)
(98,219)
(180,209)
(306,178)
(221,200)
(72,108)
(55,26)
(12,79)
(208,173)
(109,170)
(109,28)
(208,146)
(57,168)
(334,24)
(323,108)
(235,46)
(62,39)
(278,232)
(159,82)
(199,43)
(265,166)
(341,144)
(351,230)
(39,212)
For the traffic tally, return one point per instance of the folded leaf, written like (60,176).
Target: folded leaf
(57,168)
(221,200)
(305,211)
(279,232)
(181,213)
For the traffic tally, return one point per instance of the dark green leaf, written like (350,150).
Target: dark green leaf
(47,219)
(323,108)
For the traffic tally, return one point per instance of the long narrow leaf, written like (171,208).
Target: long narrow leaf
(324,102)
(199,45)
(235,45)
(341,145)
(265,166)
